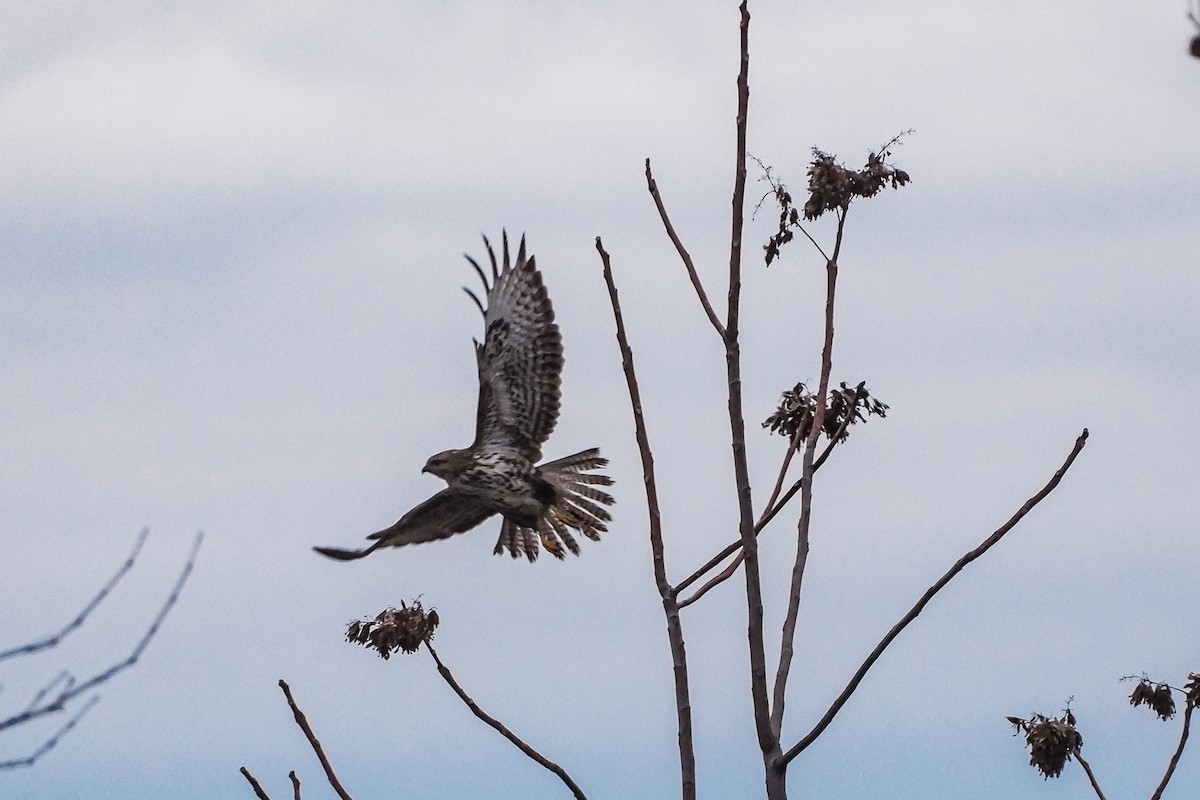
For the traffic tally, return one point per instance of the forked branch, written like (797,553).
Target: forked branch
(49,744)
(48,702)
(958,567)
(763,521)
(302,721)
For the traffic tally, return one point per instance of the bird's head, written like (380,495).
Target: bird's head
(445,464)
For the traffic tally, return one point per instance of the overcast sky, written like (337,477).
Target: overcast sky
(230,262)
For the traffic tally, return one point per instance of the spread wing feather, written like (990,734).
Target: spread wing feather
(448,512)
(521,357)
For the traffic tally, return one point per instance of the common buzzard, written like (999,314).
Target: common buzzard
(520,368)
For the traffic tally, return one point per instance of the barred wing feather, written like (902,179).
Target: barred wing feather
(521,357)
(448,512)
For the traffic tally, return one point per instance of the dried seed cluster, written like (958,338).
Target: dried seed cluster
(1192,687)
(831,186)
(798,407)
(1051,741)
(1155,695)
(393,629)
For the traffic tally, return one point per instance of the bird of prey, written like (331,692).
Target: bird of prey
(520,365)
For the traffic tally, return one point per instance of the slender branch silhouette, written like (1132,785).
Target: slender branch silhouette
(49,744)
(254,784)
(683,253)
(302,721)
(54,639)
(1087,768)
(788,635)
(683,705)
(1174,762)
(958,567)
(762,523)
(49,702)
(498,726)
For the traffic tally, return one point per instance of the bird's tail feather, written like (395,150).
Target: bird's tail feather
(578,506)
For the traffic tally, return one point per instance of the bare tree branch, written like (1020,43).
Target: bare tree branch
(737,424)
(254,784)
(59,700)
(1088,769)
(295,785)
(683,706)
(302,721)
(793,446)
(54,639)
(764,520)
(499,727)
(64,677)
(683,253)
(1174,762)
(788,636)
(49,744)
(958,567)
(639,424)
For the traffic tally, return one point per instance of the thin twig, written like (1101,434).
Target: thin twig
(793,446)
(788,635)
(499,727)
(958,567)
(302,721)
(1174,762)
(734,547)
(295,785)
(1088,769)
(683,253)
(254,784)
(56,638)
(64,677)
(775,187)
(49,744)
(73,690)
(808,236)
(683,706)
(639,425)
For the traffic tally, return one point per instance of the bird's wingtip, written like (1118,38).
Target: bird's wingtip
(339,554)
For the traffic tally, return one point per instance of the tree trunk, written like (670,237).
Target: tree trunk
(776,775)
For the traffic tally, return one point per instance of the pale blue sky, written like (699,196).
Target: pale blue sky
(229,292)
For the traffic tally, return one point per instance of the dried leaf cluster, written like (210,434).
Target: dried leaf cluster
(846,406)
(831,186)
(1051,741)
(404,628)
(1155,695)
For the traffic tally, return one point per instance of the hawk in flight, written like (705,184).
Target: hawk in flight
(520,365)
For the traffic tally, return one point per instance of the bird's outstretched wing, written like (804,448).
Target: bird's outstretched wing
(446,513)
(521,358)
